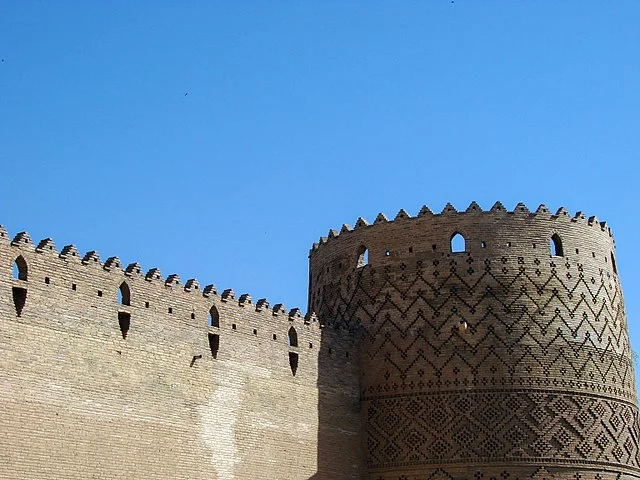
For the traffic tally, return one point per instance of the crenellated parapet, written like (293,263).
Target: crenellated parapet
(129,301)
(498,211)
(484,337)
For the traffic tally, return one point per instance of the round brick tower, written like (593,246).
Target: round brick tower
(491,344)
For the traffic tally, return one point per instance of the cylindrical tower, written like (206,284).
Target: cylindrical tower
(491,344)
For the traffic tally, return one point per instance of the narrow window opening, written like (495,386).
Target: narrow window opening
(483,244)
(508,244)
(124,294)
(214,344)
(275,337)
(99,293)
(533,245)
(214,317)
(255,332)
(387,253)
(193,316)
(20,268)
(555,244)
(146,304)
(293,337)
(19,299)
(233,326)
(457,243)
(293,362)
(170,309)
(74,287)
(577,251)
(433,247)
(613,264)
(410,249)
(346,354)
(310,345)
(363,257)
(124,320)
(46,280)
(329,351)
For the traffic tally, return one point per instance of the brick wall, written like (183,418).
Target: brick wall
(501,360)
(80,401)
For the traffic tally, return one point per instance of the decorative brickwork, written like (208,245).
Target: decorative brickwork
(499,354)
(461,345)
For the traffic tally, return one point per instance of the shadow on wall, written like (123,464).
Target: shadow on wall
(339,433)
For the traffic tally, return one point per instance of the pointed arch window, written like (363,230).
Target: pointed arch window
(458,243)
(363,257)
(124,294)
(214,317)
(20,268)
(293,337)
(555,245)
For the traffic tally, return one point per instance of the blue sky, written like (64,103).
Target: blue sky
(219,140)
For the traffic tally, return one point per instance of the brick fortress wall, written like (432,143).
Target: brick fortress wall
(145,387)
(499,361)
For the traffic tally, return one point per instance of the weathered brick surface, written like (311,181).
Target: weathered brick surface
(499,361)
(79,401)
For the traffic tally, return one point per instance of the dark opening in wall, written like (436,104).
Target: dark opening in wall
(457,243)
(293,337)
(170,309)
(193,316)
(293,362)
(555,245)
(275,337)
(363,257)
(146,304)
(19,299)
(483,244)
(214,344)
(124,321)
(214,317)
(124,294)
(255,332)
(20,268)
(233,326)
(46,280)
(74,287)
(613,264)
(99,293)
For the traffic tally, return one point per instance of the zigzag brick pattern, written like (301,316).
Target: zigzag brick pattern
(501,354)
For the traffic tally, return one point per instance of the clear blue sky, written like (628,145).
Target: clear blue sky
(219,140)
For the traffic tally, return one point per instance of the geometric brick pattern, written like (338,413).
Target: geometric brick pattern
(548,427)
(539,329)
(472,364)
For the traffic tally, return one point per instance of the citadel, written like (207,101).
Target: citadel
(471,345)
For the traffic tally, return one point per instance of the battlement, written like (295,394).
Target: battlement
(69,255)
(135,299)
(473,211)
